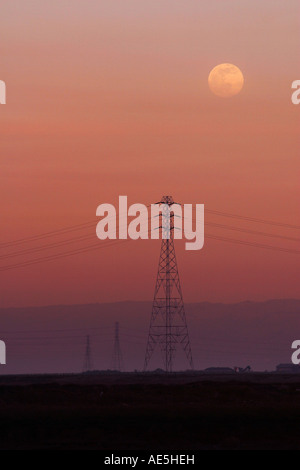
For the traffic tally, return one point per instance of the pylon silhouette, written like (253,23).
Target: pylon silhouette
(117,354)
(87,362)
(168,325)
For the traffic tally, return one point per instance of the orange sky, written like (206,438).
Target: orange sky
(111,98)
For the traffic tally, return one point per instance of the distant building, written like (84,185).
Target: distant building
(288,368)
(241,370)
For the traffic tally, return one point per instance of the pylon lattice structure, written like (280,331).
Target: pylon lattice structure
(87,362)
(168,326)
(117,354)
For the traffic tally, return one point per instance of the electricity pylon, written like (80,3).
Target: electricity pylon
(117,354)
(168,326)
(87,362)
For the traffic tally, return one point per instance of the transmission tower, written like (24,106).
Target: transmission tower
(168,325)
(87,362)
(117,354)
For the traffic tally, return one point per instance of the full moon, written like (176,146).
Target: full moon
(226,80)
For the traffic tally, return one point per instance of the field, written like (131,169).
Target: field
(150,412)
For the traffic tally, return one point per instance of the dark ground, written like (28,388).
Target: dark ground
(150,412)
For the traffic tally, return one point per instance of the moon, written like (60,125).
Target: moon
(225,80)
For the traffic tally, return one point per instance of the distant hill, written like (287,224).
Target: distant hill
(52,338)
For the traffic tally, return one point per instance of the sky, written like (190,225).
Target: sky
(111,98)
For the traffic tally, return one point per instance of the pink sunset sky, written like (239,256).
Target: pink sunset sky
(109,98)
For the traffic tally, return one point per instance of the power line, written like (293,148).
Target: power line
(60,231)
(54,330)
(89,237)
(88,248)
(91,223)
(254,244)
(51,245)
(252,232)
(61,255)
(139,336)
(46,234)
(45,247)
(252,219)
(113,242)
